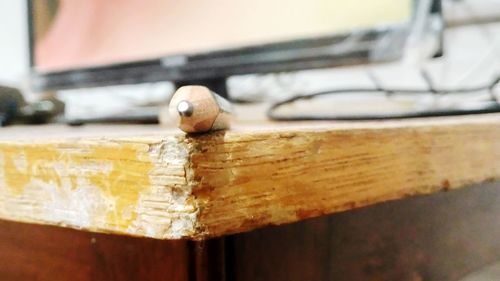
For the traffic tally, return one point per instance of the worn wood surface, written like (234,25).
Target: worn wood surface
(154,182)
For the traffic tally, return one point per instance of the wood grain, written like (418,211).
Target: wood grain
(132,186)
(248,180)
(169,185)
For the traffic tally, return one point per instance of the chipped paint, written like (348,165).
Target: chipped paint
(167,211)
(133,187)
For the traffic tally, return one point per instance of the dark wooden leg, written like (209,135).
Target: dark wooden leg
(209,261)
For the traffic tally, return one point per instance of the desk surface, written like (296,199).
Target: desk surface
(157,182)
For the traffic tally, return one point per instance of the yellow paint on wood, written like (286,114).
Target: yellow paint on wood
(118,170)
(171,186)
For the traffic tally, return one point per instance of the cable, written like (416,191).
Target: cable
(488,36)
(493,106)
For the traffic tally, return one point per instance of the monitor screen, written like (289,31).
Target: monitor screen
(75,44)
(72,34)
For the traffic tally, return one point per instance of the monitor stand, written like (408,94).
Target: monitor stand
(147,116)
(217,85)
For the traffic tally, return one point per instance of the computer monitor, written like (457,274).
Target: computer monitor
(76,44)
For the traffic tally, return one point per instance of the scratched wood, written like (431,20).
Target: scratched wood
(153,182)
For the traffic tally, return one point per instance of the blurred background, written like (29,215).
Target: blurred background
(79,52)
(14,48)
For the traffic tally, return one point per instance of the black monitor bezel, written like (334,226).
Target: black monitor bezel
(275,57)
